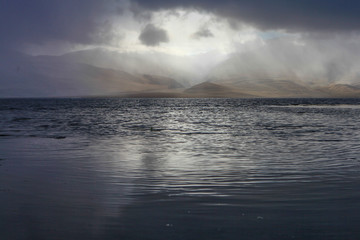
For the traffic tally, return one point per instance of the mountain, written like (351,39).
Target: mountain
(98,72)
(290,59)
(28,76)
(271,72)
(272,88)
(269,87)
(183,69)
(208,89)
(341,90)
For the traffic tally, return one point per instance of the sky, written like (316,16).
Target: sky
(320,38)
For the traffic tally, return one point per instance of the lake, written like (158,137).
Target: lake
(112,168)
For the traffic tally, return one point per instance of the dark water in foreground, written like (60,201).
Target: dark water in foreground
(180,169)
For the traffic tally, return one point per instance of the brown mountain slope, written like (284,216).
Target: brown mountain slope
(341,90)
(208,89)
(270,87)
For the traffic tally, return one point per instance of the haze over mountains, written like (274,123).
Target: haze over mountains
(79,74)
(100,72)
(167,48)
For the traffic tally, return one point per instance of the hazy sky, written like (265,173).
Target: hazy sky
(326,30)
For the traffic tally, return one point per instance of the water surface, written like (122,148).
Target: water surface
(179,168)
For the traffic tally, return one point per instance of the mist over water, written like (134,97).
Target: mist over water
(179,168)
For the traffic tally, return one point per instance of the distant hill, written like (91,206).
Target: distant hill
(72,75)
(341,90)
(208,89)
(153,63)
(289,89)
(28,76)
(269,71)
(269,87)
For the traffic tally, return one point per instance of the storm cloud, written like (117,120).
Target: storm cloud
(203,33)
(320,15)
(81,21)
(38,21)
(153,36)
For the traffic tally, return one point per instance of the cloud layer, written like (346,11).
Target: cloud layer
(39,21)
(203,33)
(153,36)
(84,21)
(304,15)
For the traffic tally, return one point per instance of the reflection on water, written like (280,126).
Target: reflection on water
(179,169)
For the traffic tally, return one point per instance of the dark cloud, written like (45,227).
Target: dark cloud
(203,33)
(298,15)
(78,21)
(39,21)
(153,36)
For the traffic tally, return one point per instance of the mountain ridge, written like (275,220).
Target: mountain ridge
(23,75)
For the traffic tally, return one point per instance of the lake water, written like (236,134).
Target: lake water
(179,169)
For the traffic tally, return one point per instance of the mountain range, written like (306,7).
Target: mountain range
(100,72)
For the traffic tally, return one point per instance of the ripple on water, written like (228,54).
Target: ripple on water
(180,168)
